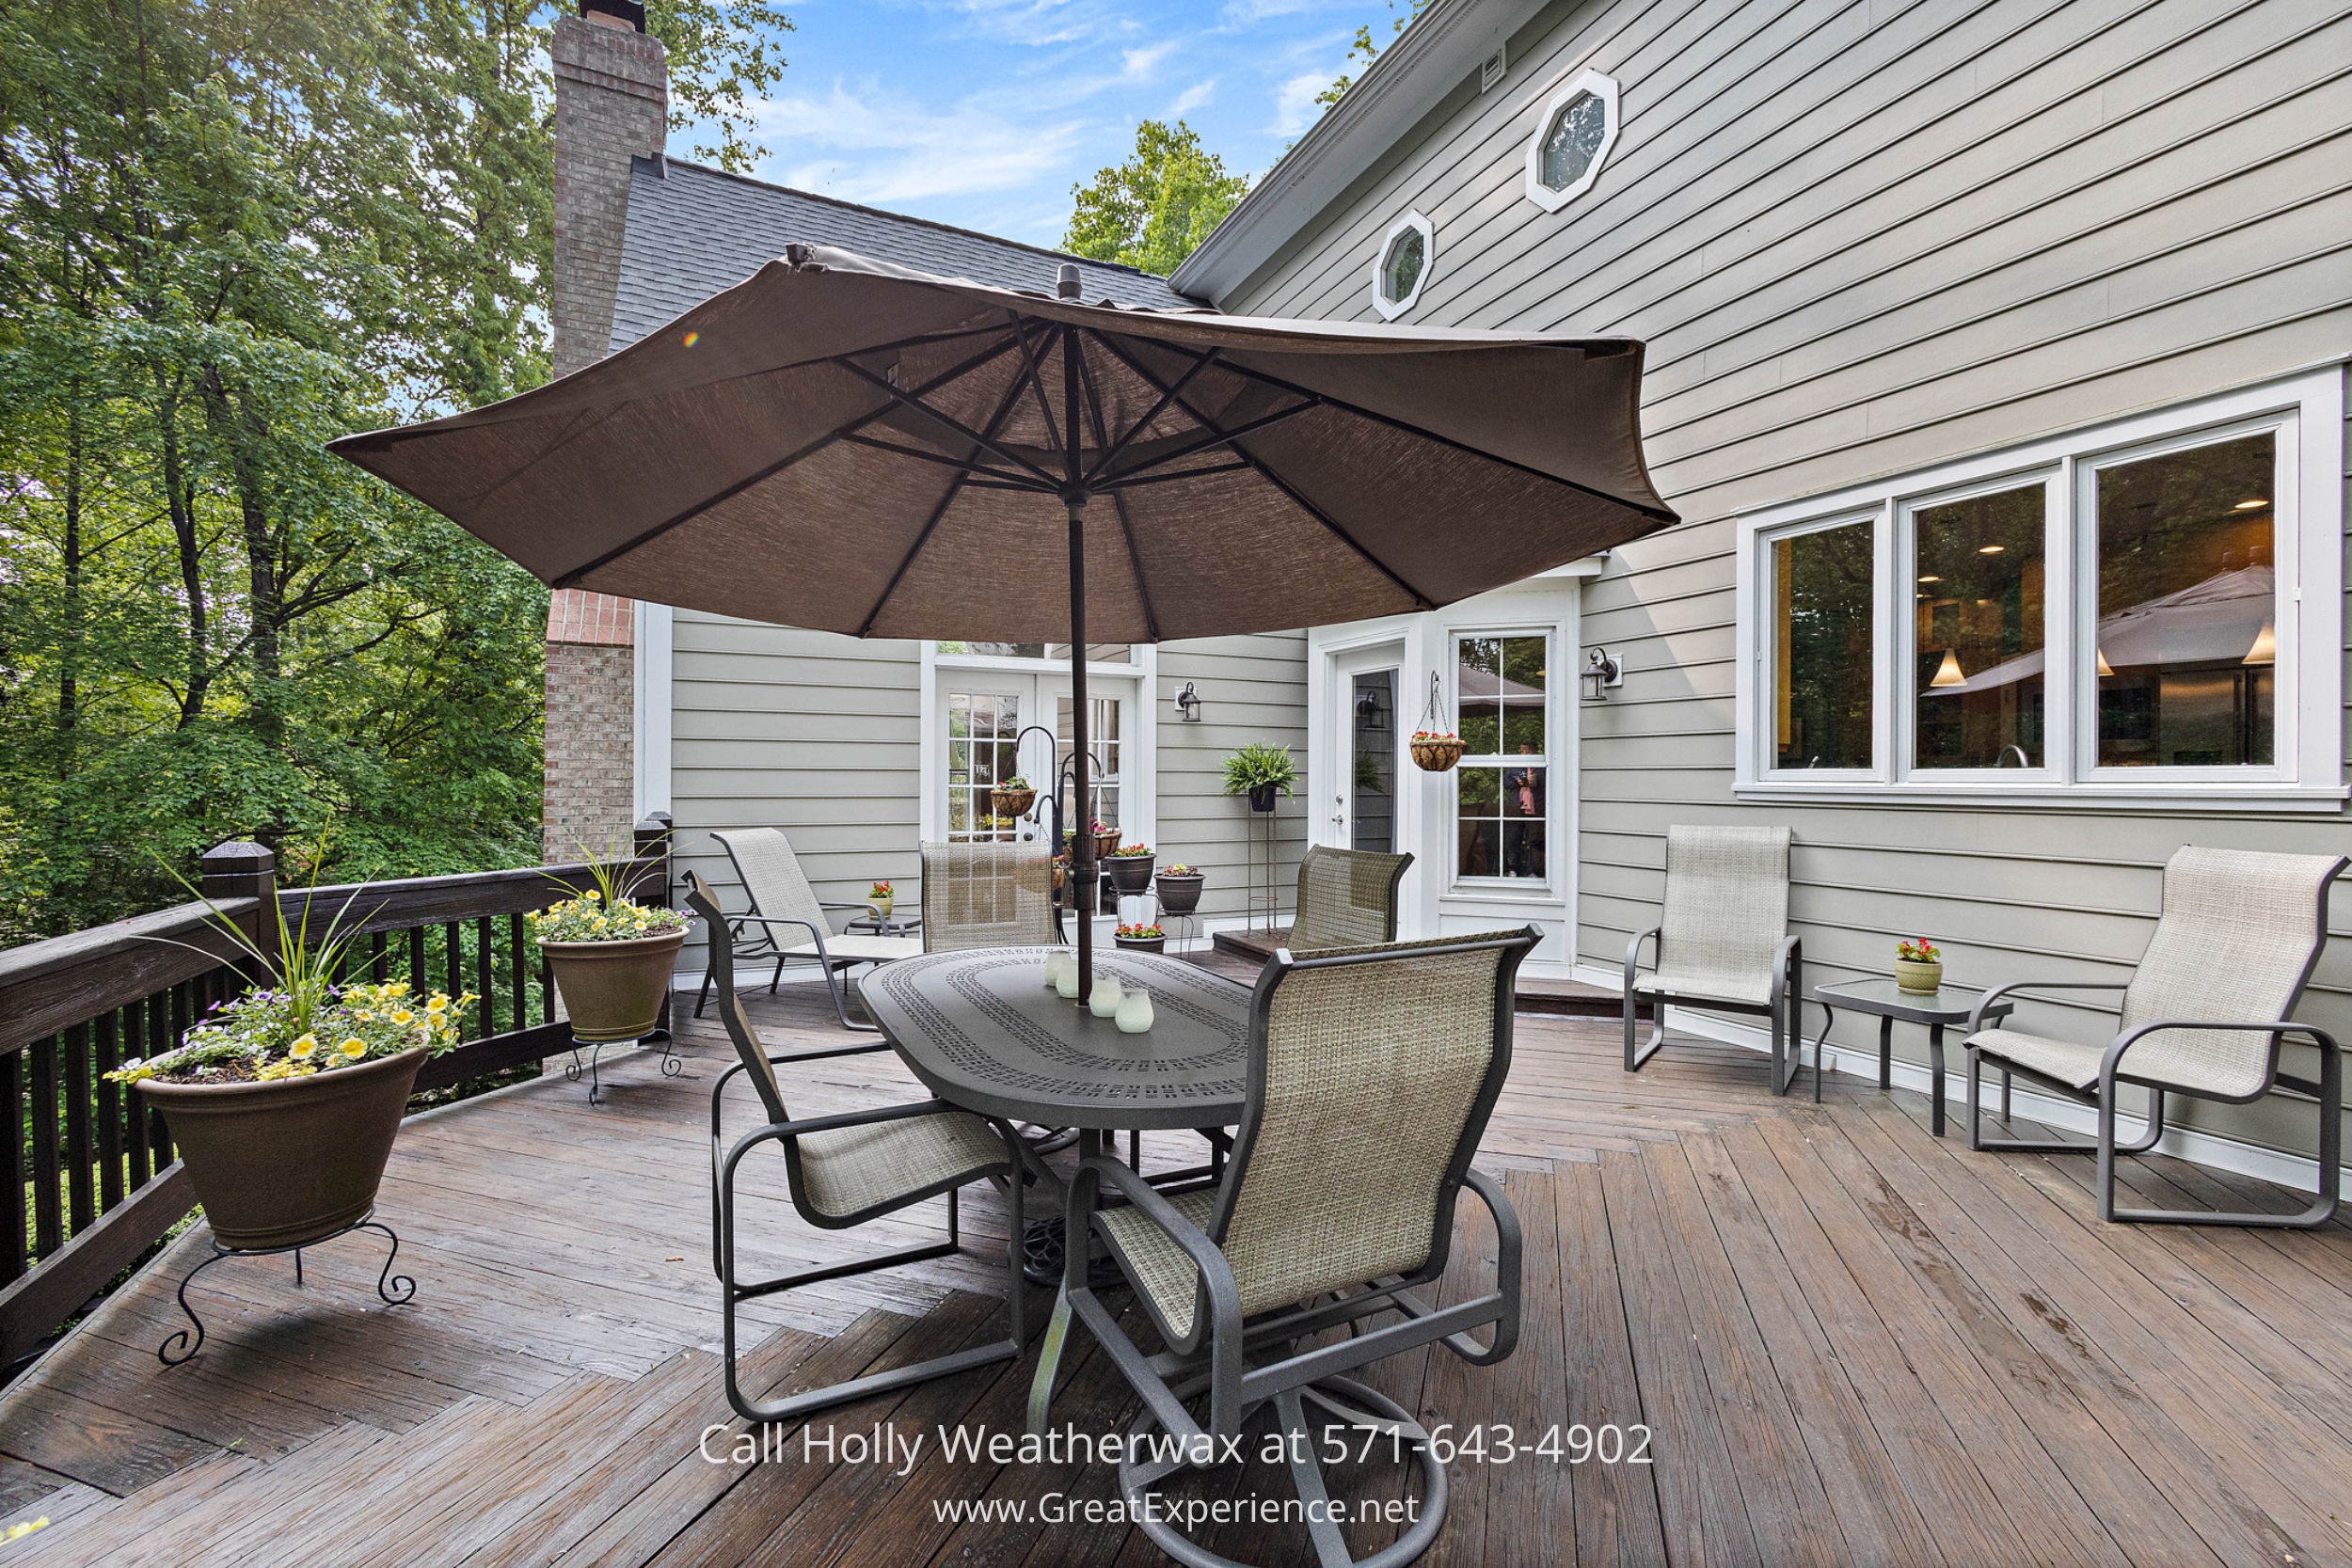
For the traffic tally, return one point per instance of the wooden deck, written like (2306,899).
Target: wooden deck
(1852,1343)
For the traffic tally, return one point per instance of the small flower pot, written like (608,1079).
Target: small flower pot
(1131,873)
(1105,844)
(614,990)
(1262,796)
(1143,945)
(1011,802)
(1179,895)
(1918,978)
(1437,756)
(286,1163)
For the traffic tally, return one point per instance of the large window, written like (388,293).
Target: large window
(2149,608)
(983,751)
(1502,785)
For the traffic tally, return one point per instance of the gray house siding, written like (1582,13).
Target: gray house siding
(1252,688)
(1861,239)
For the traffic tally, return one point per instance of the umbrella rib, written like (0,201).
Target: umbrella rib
(1215,439)
(1119,502)
(1029,362)
(1238,466)
(1660,512)
(955,488)
(963,466)
(911,401)
(572,578)
(1420,600)
(1137,428)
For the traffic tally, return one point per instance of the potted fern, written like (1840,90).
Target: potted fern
(610,956)
(1258,770)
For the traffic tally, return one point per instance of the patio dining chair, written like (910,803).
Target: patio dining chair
(1346,898)
(784,907)
(1372,1073)
(1722,941)
(987,895)
(843,1171)
(2204,1015)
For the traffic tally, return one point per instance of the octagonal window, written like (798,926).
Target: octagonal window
(1572,140)
(1400,270)
(1401,265)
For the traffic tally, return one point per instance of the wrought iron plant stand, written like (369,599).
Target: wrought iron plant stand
(396,1289)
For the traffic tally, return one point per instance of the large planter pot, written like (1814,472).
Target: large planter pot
(1131,873)
(614,990)
(286,1163)
(1180,895)
(1918,978)
(1262,796)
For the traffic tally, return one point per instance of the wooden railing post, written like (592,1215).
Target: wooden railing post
(238,869)
(654,843)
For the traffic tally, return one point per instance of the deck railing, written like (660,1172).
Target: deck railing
(91,1169)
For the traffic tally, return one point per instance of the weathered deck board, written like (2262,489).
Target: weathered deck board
(1855,1343)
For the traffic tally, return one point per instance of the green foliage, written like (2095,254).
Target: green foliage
(1154,210)
(1363,51)
(1258,765)
(233,230)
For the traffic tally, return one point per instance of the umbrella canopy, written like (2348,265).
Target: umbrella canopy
(848,445)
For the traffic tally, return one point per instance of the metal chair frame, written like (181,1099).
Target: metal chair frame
(1782,1010)
(1219,1353)
(764,945)
(727,1158)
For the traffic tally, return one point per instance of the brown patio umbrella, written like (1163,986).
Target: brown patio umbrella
(844,444)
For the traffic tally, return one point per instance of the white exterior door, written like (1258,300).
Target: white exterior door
(1494,840)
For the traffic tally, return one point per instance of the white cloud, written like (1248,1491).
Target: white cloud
(1142,62)
(1295,105)
(1193,97)
(871,148)
(1048,22)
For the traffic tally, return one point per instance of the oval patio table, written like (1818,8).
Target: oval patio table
(983,1030)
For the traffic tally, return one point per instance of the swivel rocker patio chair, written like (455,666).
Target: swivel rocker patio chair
(1724,943)
(987,895)
(2204,1015)
(1372,1073)
(842,1171)
(783,907)
(1346,898)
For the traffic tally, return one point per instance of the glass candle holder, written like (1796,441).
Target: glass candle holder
(1134,1011)
(1055,961)
(1066,981)
(1103,1001)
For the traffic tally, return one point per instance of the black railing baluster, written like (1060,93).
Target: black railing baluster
(80,1149)
(416,958)
(485,977)
(452,934)
(48,1212)
(109,1112)
(13,1252)
(516,971)
(379,966)
(143,1018)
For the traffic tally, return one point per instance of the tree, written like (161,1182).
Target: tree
(233,230)
(1365,50)
(1154,210)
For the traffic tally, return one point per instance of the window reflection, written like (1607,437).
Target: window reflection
(2188,599)
(1822,656)
(1978,613)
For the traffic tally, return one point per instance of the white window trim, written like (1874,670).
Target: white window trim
(1451,650)
(1391,309)
(1600,86)
(655,658)
(2307,410)
(1137,681)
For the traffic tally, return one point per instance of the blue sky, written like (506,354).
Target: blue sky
(984,113)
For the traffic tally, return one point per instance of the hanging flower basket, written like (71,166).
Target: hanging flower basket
(1436,747)
(1014,797)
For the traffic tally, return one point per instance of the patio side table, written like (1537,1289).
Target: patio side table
(1944,1005)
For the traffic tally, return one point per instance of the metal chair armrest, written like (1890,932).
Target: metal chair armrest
(1791,949)
(1975,1014)
(868,1118)
(1634,954)
(1507,1242)
(1216,1276)
(2112,1061)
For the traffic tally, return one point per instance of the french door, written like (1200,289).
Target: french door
(1362,810)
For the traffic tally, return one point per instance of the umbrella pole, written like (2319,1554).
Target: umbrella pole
(1082,888)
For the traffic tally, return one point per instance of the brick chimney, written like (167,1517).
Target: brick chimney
(611,104)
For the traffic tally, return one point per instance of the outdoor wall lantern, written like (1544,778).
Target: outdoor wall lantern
(1371,712)
(1602,671)
(1188,704)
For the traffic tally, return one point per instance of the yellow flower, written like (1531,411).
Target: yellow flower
(354,1048)
(303,1047)
(438,1006)
(404,1017)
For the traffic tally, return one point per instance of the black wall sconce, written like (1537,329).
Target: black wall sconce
(1188,704)
(1602,669)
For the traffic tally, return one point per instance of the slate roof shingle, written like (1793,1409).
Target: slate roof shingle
(693,231)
